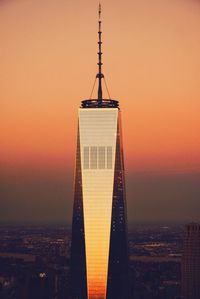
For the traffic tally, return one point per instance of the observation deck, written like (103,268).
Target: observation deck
(95,103)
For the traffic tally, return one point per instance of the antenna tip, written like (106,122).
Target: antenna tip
(99,9)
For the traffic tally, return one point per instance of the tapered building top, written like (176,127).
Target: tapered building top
(100,102)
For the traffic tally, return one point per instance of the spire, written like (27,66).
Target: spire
(99,76)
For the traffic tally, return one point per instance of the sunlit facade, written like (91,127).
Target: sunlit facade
(98,129)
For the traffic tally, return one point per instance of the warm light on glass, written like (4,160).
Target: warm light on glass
(98,131)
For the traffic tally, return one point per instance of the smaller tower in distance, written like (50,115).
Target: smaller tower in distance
(191,262)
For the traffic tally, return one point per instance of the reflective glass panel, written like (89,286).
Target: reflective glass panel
(98,131)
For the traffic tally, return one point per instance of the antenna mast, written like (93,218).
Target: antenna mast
(100,76)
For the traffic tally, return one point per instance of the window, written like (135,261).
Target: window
(97,157)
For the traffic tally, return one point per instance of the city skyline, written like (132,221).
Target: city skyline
(154,60)
(149,253)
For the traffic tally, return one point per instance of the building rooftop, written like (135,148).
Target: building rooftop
(95,103)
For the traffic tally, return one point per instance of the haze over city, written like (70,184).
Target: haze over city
(48,65)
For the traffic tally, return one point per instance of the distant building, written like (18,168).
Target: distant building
(191,262)
(99,253)
(40,286)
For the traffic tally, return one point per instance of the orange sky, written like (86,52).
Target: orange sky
(151,61)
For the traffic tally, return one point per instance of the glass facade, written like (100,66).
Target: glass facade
(98,130)
(99,253)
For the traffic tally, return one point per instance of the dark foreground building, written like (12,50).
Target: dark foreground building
(99,250)
(191,262)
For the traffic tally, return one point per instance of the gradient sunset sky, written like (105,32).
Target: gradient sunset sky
(151,58)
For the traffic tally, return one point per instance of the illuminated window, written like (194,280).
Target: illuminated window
(102,157)
(86,157)
(109,157)
(93,157)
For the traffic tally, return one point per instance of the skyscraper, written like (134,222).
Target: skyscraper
(191,262)
(99,250)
